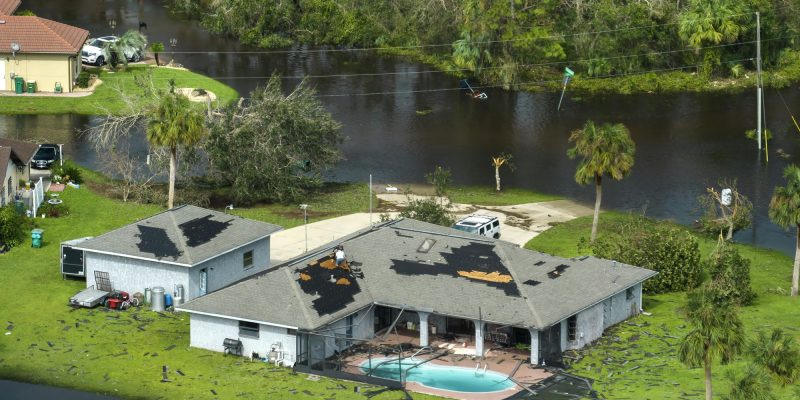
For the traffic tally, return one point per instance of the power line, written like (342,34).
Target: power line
(550,63)
(532,83)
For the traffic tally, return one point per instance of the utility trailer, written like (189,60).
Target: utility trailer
(89,297)
(72,262)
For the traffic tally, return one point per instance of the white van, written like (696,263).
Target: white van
(480,225)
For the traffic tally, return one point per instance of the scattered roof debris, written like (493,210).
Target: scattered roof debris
(476,262)
(156,242)
(558,271)
(201,230)
(334,285)
(493,276)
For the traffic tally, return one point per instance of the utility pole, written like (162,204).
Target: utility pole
(758,78)
(370,200)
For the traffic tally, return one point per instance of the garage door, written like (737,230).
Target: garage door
(2,75)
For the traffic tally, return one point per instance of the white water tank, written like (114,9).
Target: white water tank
(726,197)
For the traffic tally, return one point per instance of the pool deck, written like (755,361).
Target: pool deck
(501,360)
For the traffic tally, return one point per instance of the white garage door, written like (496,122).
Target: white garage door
(2,75)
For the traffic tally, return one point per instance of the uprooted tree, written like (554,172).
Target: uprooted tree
(274,147)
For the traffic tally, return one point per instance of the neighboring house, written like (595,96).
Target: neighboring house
(8,7)
(49,51)
(15,164)
(437,279)
(201,249)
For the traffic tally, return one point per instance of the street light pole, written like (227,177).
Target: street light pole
(304,207)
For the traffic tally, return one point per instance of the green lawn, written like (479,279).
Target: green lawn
(488,196)
(121,353)
(106,96)
(637,359)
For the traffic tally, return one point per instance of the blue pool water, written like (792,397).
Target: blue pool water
(457,379)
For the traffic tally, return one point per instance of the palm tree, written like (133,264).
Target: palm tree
(156,48)
(499,161)
(778,354)
(605,150)
(174,123)
(131,42)
(710,22)
(784,210)
(716,333)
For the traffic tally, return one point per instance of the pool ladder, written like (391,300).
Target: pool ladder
(478,371)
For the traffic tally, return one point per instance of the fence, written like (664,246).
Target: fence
(37,197)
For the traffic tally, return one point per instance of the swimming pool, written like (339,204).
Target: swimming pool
(456,379)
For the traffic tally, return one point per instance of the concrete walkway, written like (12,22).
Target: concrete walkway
(518,224)
(290,243)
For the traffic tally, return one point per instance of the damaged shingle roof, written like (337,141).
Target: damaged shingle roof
(185,235)
(461,275)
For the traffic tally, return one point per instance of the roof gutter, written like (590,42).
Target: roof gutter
(234,318)
(600,301)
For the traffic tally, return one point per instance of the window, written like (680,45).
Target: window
(247,259)
(248,329)
(629,294)
(495,224)
(572,327)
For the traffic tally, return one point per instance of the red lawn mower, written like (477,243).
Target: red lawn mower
(119,300)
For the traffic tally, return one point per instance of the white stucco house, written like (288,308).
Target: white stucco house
(203,250)
(435,279)
(15,164)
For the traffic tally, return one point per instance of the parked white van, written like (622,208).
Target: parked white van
(480,225)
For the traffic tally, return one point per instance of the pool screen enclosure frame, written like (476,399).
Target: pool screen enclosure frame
(311,350)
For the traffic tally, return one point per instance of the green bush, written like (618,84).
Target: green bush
(672,252)
(12,227)
(730,276)
(53,210)
(83,79)
(428,210)
(69,172)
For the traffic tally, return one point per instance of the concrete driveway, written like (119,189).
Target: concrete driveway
(518,224)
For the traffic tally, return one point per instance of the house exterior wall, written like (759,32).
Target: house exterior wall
(134,275)
(7,190)
(207,332)
(592,322)
(45,69)
(228,268)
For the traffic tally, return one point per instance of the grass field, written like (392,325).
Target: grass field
(637,358)
(122,353)
(106,96)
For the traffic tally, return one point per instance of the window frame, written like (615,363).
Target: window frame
(245,256)
(572,328)
(249,329)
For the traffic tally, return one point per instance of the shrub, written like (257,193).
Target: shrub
(12,227)
(69,169)
(672,252)
(83,79)
(778,353)
(53,210)
(428,210)
(730,276)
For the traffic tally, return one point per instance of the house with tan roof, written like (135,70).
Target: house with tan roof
(38,50)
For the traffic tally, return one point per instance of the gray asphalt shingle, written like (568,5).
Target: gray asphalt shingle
(397,274)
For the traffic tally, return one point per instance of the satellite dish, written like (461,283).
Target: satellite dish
(15,47)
